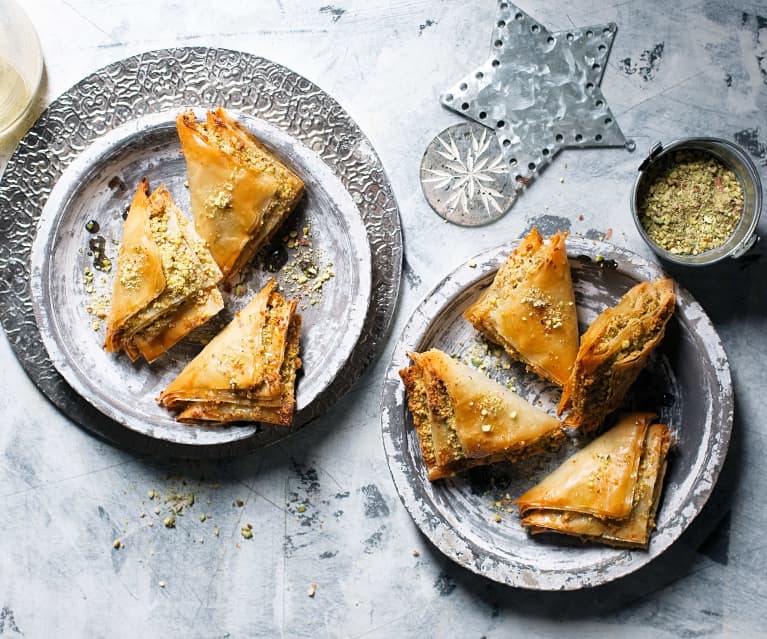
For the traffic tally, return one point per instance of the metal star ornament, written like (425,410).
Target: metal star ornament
(539,93)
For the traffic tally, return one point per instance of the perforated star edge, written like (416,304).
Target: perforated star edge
(539,92)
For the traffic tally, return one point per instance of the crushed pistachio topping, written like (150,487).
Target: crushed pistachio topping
(312,590)
(541,305)
(691,204)
(303,269)
(489,405)
(221,198)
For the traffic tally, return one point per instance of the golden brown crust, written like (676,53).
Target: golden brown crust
(165,280)
(240,193)
(529,308)
(464,419)
(613,351)
(641,488)
(248,371)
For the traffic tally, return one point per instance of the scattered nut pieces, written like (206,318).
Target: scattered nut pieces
(312,590)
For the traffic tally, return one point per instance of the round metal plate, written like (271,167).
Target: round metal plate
(687,382)
(464,176)
(99,186)
(165,80)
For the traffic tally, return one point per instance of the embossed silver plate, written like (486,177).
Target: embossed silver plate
(98,186)
(165,80)
(687,382)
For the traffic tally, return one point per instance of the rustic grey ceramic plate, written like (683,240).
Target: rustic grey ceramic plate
(472,518)
(98,186)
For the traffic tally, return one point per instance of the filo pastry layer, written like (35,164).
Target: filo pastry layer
(248,371)
(240,192)
(613,351)
(465,419)
(529,308)
(165,281)
(607,492)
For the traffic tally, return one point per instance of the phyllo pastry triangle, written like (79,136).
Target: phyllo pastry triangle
(165,284)
(614,350)
(240,193)
(465,419)
(609,490)
(248,371)
(529,308)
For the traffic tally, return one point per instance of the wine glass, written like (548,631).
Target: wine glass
(21,65)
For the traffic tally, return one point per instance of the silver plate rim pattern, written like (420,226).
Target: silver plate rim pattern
(165,79)
(464,546)
(54,216)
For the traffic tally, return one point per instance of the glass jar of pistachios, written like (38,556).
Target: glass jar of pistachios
(697,201)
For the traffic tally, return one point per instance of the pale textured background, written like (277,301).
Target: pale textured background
(682,68)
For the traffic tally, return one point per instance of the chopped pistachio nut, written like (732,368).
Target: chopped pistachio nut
(415,553)
(312,590)
(161,584)
(117,544)
(246,532)
(691,203)
(169,522)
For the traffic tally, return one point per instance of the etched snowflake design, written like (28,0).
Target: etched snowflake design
(471,176)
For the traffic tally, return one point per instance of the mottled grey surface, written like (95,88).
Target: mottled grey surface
(322,504)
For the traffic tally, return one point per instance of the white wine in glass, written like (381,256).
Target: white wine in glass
(21,64)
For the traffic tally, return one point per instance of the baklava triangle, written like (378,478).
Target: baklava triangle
(608,491)
(239,191)
(165,281)
(465,419)
(248,371)
(529,308)
(613,351)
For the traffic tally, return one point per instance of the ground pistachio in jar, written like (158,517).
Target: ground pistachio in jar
(691,202)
